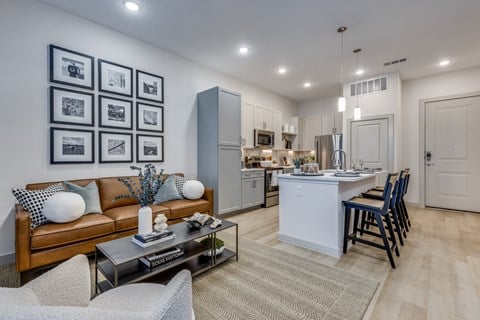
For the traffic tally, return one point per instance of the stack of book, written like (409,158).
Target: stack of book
(146,240)
(162,257)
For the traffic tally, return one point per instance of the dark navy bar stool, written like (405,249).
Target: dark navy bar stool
(380,212)
(395,212)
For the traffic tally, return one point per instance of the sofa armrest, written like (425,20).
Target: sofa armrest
(22,238)
(208,195)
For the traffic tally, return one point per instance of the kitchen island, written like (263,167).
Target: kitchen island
(311,213)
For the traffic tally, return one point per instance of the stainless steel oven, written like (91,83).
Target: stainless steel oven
(264,138)
(271,186)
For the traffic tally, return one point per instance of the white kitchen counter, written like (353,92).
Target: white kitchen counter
(252,169)
(311,213)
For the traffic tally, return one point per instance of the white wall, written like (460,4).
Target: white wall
(318,107)
(381,103)
(26,29)
(437,86)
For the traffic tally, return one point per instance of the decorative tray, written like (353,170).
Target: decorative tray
(347,174)
(307,174)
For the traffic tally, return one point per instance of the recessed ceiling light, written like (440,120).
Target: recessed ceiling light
(444,63)
(307,84)
(132,6)
(282,70)
(243,50)
(359,72)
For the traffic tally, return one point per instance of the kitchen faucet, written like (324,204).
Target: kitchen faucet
(340,162)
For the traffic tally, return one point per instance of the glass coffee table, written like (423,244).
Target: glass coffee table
(118,260)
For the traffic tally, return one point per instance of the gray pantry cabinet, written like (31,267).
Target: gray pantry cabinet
(253,188)
(218,145)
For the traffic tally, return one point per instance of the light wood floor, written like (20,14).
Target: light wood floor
(437,275)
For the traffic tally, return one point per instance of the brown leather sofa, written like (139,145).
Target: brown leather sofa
(53,242)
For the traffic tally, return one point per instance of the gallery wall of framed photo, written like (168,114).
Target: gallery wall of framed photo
(109,113)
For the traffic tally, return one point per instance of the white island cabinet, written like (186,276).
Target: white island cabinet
(311,214)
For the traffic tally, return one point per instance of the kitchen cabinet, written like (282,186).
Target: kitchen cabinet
(312,127)
(263,118)
(253,188)
(218,152)
(248,125)
(277,128)
(320,125)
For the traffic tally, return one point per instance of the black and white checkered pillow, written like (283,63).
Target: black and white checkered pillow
(33,201)
(180,181)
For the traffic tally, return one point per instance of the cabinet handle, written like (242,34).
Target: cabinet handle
(254,183)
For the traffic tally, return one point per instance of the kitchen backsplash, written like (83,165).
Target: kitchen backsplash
(277,155)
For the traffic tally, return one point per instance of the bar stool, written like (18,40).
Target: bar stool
(379,210)
(404,192)
(398,221)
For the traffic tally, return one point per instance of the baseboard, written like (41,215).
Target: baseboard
(414,204)
(7,259)
(310,245)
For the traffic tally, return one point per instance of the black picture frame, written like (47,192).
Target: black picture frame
(63,152)
(158,148)
(141,77)
(104,149)
(106,117)
(66,114)
(65,71)
(103,82)
(157,122)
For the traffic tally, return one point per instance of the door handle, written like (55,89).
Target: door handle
(430,164)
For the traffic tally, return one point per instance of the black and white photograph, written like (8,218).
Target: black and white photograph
(115,147)
(149,117)
(115,113)
(71,68)
(71,107)
(69,146)
(149,148)
(149,86)
(115,78)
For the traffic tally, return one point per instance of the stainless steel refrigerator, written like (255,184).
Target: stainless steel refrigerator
(324,147)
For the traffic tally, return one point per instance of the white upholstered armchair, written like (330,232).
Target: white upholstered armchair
(64,293)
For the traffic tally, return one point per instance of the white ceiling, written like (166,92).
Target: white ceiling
(300,35)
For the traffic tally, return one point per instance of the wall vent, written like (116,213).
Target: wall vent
(394,62)
(369,86)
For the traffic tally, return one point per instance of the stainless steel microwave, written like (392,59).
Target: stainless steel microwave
(264,138)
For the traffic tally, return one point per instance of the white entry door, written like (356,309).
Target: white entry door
(369,141)
(452,154)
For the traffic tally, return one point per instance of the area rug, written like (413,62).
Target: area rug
(267,283)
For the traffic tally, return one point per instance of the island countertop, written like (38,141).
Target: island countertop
(327,177)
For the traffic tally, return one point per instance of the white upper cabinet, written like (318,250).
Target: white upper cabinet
(320,125)
(328,123)
(248,125)
(277,128)
(312,126)
(264,118)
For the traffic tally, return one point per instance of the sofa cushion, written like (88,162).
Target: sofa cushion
(34,200)
(126,217)
(110,188)
(89,193)
(186,208)
(87,227)
(167,191)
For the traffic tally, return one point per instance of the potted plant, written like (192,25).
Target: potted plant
(297,164)
(144,191)
(219,246)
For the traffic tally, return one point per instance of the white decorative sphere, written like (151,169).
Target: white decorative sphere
(193,189)
(64,207)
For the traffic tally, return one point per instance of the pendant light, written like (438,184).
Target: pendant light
(357,112)
(342,103)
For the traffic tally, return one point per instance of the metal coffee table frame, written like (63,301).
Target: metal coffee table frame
(117,260)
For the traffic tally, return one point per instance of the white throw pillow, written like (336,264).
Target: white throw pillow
(64,207)
(193,189)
